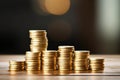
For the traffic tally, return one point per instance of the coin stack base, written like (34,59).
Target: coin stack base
(49,60)
(65,58)
(33,61)
(96,64)
(81,60)
(16,65)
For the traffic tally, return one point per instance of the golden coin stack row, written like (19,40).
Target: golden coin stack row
(65,58)
(49,60)
(16,65)
(96,64)
(39,41)
(81,60)
(33,61)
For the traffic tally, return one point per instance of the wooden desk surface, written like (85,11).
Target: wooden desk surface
(111,72)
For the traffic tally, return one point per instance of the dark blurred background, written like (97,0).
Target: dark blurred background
(87,24)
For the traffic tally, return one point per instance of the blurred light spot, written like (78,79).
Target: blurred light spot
(108,18)
(59,30)
(42,6)
(39,7)
(57,7)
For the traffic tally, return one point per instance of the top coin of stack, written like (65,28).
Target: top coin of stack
(39,41)
(96,64)
(81,60)
(33,61)
(49,60)
(65,58)
(16,65)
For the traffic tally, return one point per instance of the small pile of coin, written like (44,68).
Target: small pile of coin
(39,41)
(65,58)
(81,60)
(33,61)
(96,64)
(49,60)
(16,65)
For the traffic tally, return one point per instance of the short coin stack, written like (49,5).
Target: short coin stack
(65,58)
(39,41)
(49,60)
(96,64)
(16,65)
(33,61)
(81,60)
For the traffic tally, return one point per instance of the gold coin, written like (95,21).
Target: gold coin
(33,45)
(48,64)
(52,52)
(80,60)
(79,68)
(39,40)
(16,62)
(33,58)
(32,54)
(66,49)
(37,31)
(63,69)
(96,59)
(47,69)
(33,62)
(11,71)
(33,69)
(33,65)
(48,56)
(82,52)
(75,64)
(96,64)
(16,70)
(82,57)
(65,55)
(38,49)
(64,58)
(16,66)
(38,35)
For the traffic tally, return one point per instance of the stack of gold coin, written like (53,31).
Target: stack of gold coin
(16,65)
(96,64)
(33,61)
(49,60)
(81,60)
(39,41)
(65,58)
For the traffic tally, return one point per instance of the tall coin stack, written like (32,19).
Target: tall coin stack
(16,65)
(65,58)
(96,64)
(39,41)
(49,60)
(33,61)
(81,60)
